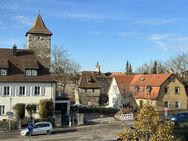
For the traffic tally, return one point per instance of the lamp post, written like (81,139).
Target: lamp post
(10,113)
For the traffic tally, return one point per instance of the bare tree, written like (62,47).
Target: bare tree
(149,66)
(178,63)
(64,69)
(125,100)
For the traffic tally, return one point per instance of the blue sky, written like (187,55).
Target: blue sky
(108,31)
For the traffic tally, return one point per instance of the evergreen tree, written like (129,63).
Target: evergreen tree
(154,69)
(130,71)
(127,67)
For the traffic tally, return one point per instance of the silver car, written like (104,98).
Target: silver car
(38,128)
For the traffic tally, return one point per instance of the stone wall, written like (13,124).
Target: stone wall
(90,97)
(41,45)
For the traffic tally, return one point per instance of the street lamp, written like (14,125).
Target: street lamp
(10,113)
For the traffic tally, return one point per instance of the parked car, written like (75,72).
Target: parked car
(180,117)
(38,128)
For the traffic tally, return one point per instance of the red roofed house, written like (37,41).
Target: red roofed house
(23,79)
(160,90)
(119,90)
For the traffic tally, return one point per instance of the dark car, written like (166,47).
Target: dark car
(180,117)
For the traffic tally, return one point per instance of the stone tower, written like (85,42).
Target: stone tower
(39,40)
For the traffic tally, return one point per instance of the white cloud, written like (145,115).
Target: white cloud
(24,20)
(170,42)
(153,22)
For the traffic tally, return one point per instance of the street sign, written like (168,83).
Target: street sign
(10,114)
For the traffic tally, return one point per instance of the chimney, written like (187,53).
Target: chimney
(14,51)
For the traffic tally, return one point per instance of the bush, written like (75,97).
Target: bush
(46,108)
(24,122)
(19,108)
(98,110)
(4,125)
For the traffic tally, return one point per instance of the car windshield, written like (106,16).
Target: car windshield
(41,125)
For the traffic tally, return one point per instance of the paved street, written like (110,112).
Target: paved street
(102,131)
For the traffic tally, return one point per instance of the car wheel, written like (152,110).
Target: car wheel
(48,132)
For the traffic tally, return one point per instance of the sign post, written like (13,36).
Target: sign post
(10,116)
(30,128)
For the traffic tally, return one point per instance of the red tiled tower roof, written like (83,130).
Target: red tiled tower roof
(39,27)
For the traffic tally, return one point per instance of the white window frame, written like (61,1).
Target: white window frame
(28,72)
(31,72)
(167,104)
(36,91)
(22,92)
(2,109)
(34,72)
(166,88)
(178,104)
(3,71)
(178,90)
(6,91)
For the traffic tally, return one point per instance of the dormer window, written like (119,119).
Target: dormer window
(31,72)
(91,80)
(34,72)
(3,71)
(149,88)
(136,89)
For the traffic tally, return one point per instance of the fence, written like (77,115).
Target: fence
(124,117)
